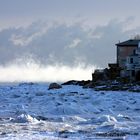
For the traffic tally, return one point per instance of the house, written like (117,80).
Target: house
(127,65)
(124,49)
(128,58)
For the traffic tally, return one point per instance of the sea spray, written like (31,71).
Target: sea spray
(32,71)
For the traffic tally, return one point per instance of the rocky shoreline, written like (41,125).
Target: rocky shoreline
(106,85)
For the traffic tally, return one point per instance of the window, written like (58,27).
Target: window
(131,60)
(133,73)
(134,51)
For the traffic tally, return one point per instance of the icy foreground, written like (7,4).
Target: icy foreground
(31,111)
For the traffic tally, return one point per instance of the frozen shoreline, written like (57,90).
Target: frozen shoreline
(34,112)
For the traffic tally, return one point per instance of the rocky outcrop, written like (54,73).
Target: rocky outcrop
(71,82)
(54,86)
(89,85)
(112,86)
(79,83)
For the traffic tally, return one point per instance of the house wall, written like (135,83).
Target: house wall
(122,53)
(132,62)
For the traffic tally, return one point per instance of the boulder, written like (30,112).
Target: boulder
(54,86)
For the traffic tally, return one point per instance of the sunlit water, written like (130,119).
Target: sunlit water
(31,111)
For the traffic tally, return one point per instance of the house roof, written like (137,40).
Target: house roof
(130,42)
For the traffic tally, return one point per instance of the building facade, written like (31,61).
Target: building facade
(124,49)
(128,58)
(133,64)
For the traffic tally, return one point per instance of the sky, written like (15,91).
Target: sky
(63,34)
(94,11)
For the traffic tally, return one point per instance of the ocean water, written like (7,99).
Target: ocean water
(31,111)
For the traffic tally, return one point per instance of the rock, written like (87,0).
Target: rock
(54,86)
(89,85)
(27,84)
(83,82)
(41,118)
(79,83)
(71,82)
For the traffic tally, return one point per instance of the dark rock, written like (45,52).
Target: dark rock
(27,84)
(75,92)
(41,118)
(3,133)
(79,83)
(65,133)
(54,86)
(71,82)
(58,104)
(89,85)
(137,109)
(83,83)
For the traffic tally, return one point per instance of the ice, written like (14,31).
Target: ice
(31,111)
(24,118)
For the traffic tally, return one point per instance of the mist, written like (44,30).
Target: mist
(31,71)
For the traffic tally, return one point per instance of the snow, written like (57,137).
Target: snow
(31,111)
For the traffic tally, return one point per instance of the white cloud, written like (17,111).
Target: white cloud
(23,40)
(75,43)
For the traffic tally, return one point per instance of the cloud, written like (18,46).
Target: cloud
(59,43)
(74,43)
